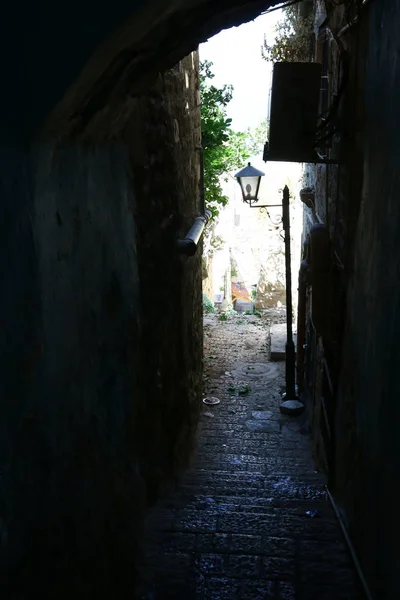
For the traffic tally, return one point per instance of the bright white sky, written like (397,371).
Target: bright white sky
(236,57)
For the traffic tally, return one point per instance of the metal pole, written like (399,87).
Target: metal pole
(290,354)
(290,403)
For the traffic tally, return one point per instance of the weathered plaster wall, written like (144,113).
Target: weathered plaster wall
(101,345)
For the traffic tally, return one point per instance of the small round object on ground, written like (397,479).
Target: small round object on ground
(291,407)
(211,401)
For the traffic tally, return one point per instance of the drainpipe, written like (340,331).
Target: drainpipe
(190,242)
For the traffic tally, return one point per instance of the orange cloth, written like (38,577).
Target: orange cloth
(239,291)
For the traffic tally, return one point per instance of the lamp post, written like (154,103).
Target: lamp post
(249,180)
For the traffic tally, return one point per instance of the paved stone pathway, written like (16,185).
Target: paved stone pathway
(237,526)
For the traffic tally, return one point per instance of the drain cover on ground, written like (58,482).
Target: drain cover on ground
(267,370)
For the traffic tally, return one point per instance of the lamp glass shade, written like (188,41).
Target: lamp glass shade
(249,180)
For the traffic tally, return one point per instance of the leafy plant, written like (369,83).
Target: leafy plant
(224,149)
(208,306)
(256,138)
(253,312)
(227,314)
(243,390)
(294,38)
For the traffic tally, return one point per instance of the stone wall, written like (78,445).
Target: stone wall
(101,339)
(101,335)
(367,428)
(163,136)
(208,278)
(358,202)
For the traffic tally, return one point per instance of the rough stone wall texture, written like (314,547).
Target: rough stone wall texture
(164,134)
(208,278)
(367,428)
(101,342)
(85,431)
(363,218)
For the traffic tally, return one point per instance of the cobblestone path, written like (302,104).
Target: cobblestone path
(237,526)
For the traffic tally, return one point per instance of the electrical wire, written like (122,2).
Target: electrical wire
(333,131)
(344,69)
(285,5)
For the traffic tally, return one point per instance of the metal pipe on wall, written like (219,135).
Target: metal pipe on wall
(189,244)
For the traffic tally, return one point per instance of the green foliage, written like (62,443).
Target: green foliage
(243,390)
(208,306)
(223,316)
(234,267)
(255,312)
(234,271)
(224,149)
(256,138)
(227,314)
(293,41)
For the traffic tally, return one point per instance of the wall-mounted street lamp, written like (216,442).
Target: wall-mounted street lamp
(249,180)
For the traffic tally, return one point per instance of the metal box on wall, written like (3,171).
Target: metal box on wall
(294,112)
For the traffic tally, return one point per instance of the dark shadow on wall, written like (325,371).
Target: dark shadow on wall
(100,374)
(367,424)
(101,378)
(166,131)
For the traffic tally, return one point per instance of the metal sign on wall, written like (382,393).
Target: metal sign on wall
(294,112)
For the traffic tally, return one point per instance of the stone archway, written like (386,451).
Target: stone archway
(150,41)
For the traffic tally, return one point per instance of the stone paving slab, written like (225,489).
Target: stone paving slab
(236,528)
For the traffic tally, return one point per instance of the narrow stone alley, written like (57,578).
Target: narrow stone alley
(251,520)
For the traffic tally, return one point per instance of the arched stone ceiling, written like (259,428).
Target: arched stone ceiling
(78,55)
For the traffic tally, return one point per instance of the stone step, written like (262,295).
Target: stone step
(278,341)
